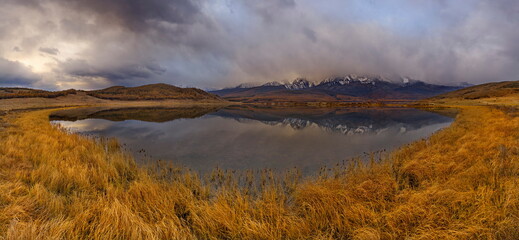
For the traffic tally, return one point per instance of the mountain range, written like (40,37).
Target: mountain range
(335,89)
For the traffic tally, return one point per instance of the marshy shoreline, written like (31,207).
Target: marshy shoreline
(459,183)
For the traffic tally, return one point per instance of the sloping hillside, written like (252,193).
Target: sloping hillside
(487,90)
(31,93)
(159,91)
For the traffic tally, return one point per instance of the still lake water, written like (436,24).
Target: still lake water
(254,138)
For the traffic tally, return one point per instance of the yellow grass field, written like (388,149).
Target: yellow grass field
(461,183)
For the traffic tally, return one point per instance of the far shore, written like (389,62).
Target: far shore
(82,99)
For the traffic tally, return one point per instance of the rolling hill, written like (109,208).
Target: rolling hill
(32,93)
(487,90)
(158,91)
(336,89)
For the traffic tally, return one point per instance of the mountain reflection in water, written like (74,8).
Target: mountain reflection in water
(254,138)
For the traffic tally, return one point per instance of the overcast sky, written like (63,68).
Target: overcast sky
(61,44)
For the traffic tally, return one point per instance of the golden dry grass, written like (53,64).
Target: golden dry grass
(461,183)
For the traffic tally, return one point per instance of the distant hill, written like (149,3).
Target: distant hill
(31,93)
(158,91)
(147,92)
(348,88)
(487,90)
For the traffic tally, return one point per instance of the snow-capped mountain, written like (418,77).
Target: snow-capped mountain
(344,80)
(339,88)
(272,84)
(247,85)
(299,83)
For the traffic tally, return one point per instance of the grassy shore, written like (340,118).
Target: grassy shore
(461,183)
(83,99)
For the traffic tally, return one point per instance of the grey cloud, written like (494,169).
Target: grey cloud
(122,74)
(208,44)
(272,10)
(27,3)
(51,51)
(136,15)
(476,46)
(310,34)
(15,74)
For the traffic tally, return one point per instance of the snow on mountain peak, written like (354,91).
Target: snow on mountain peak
(299,83)
(406,81)
(302,83)
(247,85)
(343,80)
(272,84)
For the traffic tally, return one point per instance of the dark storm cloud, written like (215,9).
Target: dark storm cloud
(136,15)
(126,73)
(443,42)
(26,3)
(270,10)
(216,43)
(137,34)
(310,34)
(15,74)
(51,51)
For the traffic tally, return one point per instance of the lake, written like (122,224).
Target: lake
(254,137)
